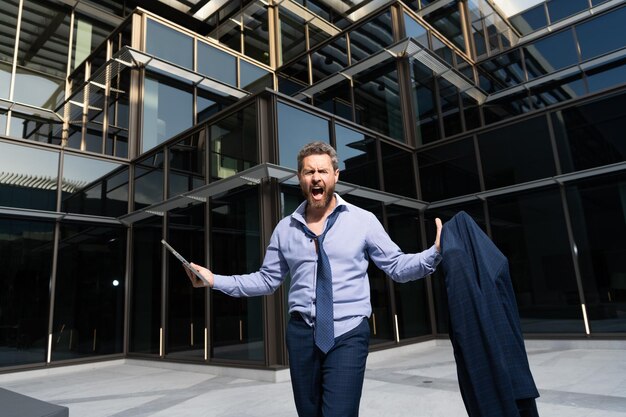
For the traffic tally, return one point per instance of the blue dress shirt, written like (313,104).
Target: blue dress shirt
(356,237)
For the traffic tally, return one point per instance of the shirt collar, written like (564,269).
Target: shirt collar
(299,213)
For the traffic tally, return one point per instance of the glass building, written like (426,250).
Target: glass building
(125,122)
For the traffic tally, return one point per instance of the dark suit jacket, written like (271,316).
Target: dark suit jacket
(492,366)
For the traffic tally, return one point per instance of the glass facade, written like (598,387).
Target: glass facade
(120,127)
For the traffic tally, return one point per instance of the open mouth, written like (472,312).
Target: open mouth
(317,191)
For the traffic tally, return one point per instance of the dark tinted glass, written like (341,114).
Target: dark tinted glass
(416,31)
(149,181)
(560,9)
(557,91)
(233,144)
(336,99)
(447,21)
(294,77)
(26,249)
(450,107)
(424,104)
(377,102)
(292,35)
(398,171)
(253,78)
(357,153)
(35,129)
(448,171)
(169,44)
(530,231)
(187,163)
(371,37)
(517,153)
(237,323)
(410,298)
(255,32)
(185,304)
(592,134)
(329,59)
(597,208)
(217,64)
(89,292)
(602,34)
(606,77)
(511,105)
(91,186)
(550,54)
(296,128)
(29,177)
(145,298)
(530,20)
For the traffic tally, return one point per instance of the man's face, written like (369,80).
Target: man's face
(317,180)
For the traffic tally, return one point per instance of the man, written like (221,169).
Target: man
(326,245)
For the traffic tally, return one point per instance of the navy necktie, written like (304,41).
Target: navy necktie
(324,316)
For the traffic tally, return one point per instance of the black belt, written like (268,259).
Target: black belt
(296,316)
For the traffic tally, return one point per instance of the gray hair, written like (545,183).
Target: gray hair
(318,148)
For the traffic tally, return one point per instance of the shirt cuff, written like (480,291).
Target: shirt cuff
(224,283)
(433,256)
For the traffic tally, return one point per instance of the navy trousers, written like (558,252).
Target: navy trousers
(327,385)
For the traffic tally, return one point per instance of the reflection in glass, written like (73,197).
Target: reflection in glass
(329,59)
(560,9)
(37,89)
(424,104)
(416,31)
(292,35)
(167,110)
(530,20)
(35,129)
(608,76)
(89,292)
(557,91)
(336,99)
(398,171)
(447,21)
(517,153)
(602,34)
(296,128)
(530,230)
(377,101)
(26,249)
(169,44)
(28,177)
(448,171)
(450,107)
(186,167)
(371,37)
(185,304)
(88,35)
(597,208)
(149,181)
(233,143)
(591,135)
(411,298)
(5,82)
(357,154)
(237,323)
(256,32)
(92,186)
(145,297)
(550,54)
(253,78)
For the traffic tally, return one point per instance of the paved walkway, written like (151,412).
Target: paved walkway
(575,379)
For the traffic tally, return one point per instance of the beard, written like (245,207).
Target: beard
(329,193)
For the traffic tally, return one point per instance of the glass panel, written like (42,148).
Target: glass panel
(531,20)
(442,50)
(186,169)
(591,135)
(517,153)
(357,154)
(26,248)
(530,231)
(398,170)
(477,27)
(607,76)
(208,104)
(296,128)
(557,91)
(217,64)
(550,54)
(336,99)
(145,296)
(36,129)
(316,36)
(89,292)
(88,35)
(167,110)
(255,33)
(448,171)
(30,177)
(185,304)
(447,21)
(234,144)
(253,78)
(597,210)
(8,29)
(560,9)
(450,107)
(92,186)
(509,106)
(169,44)
(602,34)
(329,59)
(423,91)
(237,323)
(292,35)
(42,53)
(411,297)
(371,37)
(294,77)
(377,100)
(148,181)
(416,31)
(5,82)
